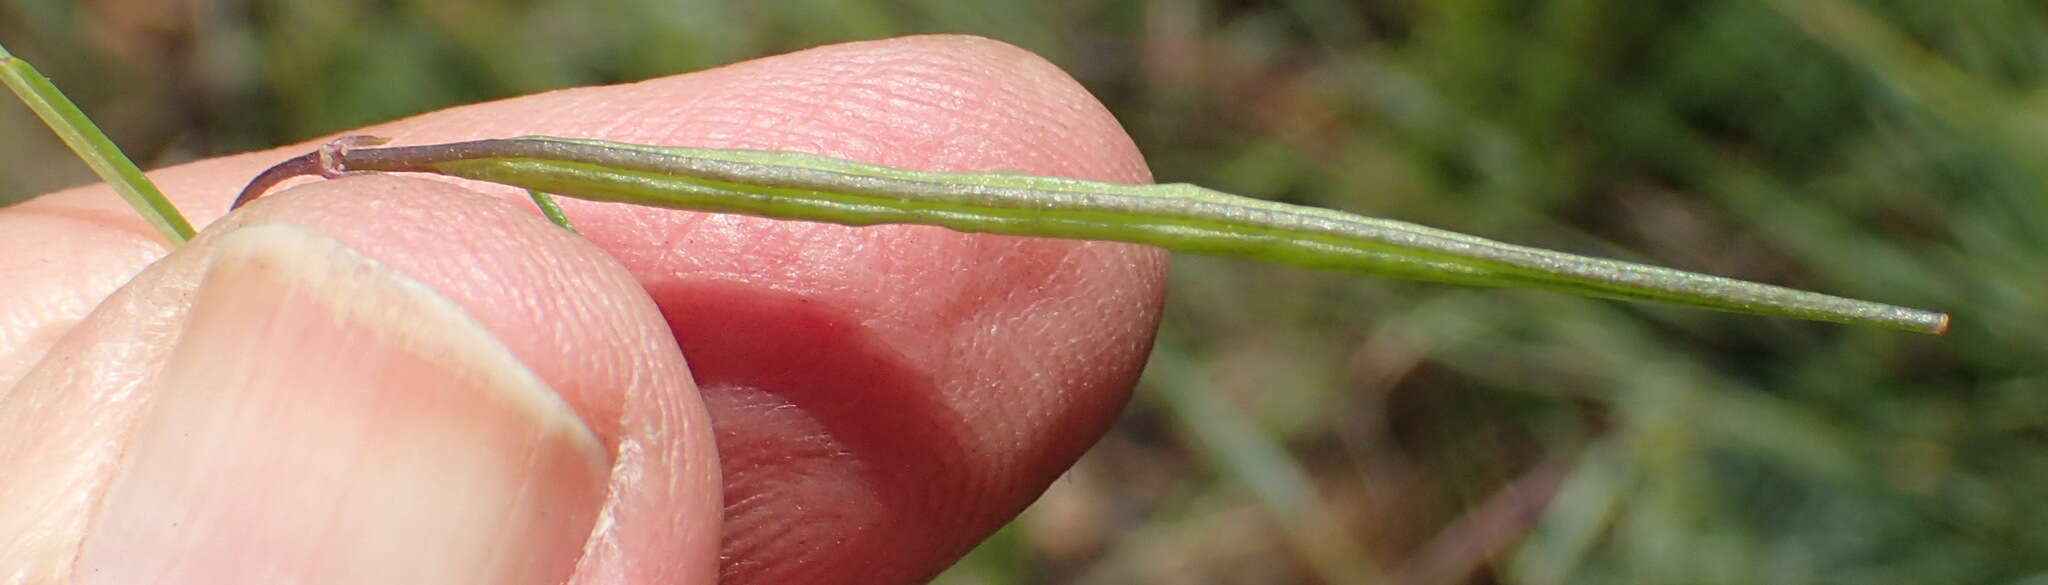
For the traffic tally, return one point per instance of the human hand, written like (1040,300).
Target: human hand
(350,381)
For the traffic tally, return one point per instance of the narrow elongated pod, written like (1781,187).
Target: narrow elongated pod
(1180,217)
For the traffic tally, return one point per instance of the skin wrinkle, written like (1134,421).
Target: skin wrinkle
(108,219)
(617,125)
(929,125)
(73,299)
(925,99)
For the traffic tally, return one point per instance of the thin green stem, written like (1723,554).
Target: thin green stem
(93,146)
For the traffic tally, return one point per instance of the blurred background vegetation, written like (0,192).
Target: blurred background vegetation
(1300,427)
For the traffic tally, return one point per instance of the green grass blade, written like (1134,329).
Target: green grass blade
(552,210)
(93,146)
(1250,457)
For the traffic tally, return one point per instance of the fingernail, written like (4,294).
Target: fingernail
(325,419)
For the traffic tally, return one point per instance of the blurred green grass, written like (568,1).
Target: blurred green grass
(1303,427)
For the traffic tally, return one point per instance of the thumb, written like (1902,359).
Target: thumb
(334,388)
